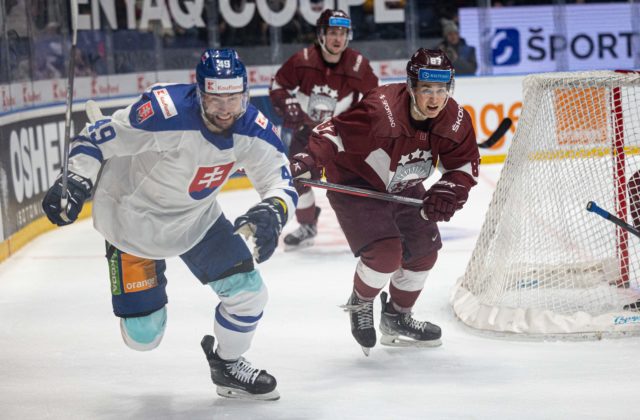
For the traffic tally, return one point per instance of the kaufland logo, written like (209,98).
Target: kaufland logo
(505,47)
(234,85)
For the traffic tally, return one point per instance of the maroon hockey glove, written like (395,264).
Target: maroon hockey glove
(444,198)
(303,166)
(293,114)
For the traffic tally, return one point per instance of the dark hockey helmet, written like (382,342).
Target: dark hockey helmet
(219,72)
(430,66)
(335,18)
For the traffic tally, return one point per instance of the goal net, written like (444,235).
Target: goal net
(543,266)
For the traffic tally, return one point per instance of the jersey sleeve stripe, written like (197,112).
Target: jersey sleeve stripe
(294,196)
(87,151)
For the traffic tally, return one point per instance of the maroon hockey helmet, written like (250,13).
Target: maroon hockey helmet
(430,66)
(336,18)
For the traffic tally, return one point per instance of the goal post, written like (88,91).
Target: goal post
(543,266)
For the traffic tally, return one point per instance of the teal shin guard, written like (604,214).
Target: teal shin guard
(250,282)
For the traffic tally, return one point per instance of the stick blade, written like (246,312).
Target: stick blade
(497,135)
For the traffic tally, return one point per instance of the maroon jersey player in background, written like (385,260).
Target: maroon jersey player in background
(317,83)
(392,141)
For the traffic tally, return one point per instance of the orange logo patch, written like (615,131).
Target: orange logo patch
(138,274)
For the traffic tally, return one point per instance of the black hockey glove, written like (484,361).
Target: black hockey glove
(264,222)
(79,189)
(303,166)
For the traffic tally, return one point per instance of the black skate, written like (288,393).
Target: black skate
(401,330)
(361,314)
(303,236)
(237,378)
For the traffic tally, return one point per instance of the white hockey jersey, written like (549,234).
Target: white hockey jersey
(162,170)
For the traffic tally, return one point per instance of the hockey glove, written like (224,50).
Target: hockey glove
(79,190)
(303,166)
(293,114)
(264,222)
(443,199)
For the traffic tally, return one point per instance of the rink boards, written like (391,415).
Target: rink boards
(32,132)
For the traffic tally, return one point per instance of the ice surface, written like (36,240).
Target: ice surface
(62,357)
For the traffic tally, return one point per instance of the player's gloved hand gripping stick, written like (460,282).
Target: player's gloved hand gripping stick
(263,222)
(63,202)
(65,205)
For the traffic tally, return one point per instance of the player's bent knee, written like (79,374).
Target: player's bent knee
(144,333)
(242,290)
(243,296)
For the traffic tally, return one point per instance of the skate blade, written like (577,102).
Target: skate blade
(227,392)
(349,308)
(366,350)
(301,245)
(397,341)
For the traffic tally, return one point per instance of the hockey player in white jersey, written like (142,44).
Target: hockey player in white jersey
(164,160)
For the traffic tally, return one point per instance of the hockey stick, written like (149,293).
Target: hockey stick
(496,135)
(361,192)
(594,208)
(64,199)
(493,139)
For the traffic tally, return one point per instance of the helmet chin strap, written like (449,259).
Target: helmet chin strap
(324,48)
(415,111)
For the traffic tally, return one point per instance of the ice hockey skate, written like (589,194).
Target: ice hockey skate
(237,378)
(303,236)
(402,330)
(361,314)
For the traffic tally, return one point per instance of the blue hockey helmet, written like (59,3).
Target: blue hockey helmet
(221,74)
(221,71)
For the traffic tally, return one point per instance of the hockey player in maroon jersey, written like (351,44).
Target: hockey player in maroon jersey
(392,141)
(317,83)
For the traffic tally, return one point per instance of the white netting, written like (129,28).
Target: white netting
(543,265)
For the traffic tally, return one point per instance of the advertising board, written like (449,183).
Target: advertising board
(534,39)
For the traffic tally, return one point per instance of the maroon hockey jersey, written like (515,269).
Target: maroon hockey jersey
(324,90)
(376,146)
